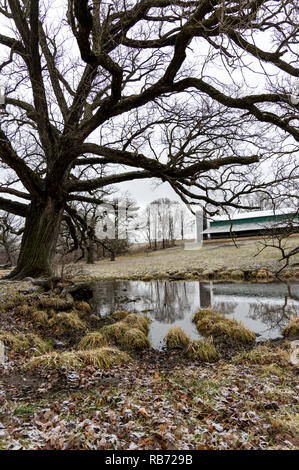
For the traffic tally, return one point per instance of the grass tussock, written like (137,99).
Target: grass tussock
(53,360)
(115,331)
(176,338)
(40,316)
(211,323)
(83,307)
(67,321)
(24,342)
(23,309)
(40,345)
(93,340)
(135,320)
(15,301)
(56,303)
(135,339)
(292,329)
(16,341)
(120,315)
(104,358)
(131,332)
(201,313)
(262,355)
(201,351)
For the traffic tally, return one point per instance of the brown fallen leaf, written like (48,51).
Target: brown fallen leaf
(144,413)
(162,428)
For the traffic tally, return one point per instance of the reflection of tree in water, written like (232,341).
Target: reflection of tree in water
(107,297)
(167,302)
(273,315)
(170,301)
(224,307)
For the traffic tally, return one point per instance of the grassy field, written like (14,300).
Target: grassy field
(224,257)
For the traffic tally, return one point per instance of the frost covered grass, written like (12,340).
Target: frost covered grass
(209,406)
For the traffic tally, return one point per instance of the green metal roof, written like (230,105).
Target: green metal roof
(250,220)
(241,226)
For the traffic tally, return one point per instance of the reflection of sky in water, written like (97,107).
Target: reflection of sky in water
(264,308)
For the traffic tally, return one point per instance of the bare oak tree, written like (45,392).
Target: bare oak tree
(190,92)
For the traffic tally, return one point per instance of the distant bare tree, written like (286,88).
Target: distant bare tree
(10,232)
(278,236)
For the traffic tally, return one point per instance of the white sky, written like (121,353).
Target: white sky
(145,191)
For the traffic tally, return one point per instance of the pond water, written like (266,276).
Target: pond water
(263,308)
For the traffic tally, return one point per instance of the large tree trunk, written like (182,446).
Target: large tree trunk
(39,239)
(90,252)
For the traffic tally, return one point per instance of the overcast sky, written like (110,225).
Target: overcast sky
(145,191)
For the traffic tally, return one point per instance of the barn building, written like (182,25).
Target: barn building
(248,224)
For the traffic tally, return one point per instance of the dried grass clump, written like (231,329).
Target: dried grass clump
(94,317)
(93,340)
(262,275)
(135,339)
(67,321)
(120,315)
(23,309)
(115,331)
(83,307)
(201,351)
(24,342)
(202,312)
(15,301)
(210,323)
(292,329)
(40,316)
(56,303)
(103,358)
(52,360)
(135,320)
(40,345)
(176,338)
(16,341)
(262,355)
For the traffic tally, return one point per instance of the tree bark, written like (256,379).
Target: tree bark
(90,252)
(39,239)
